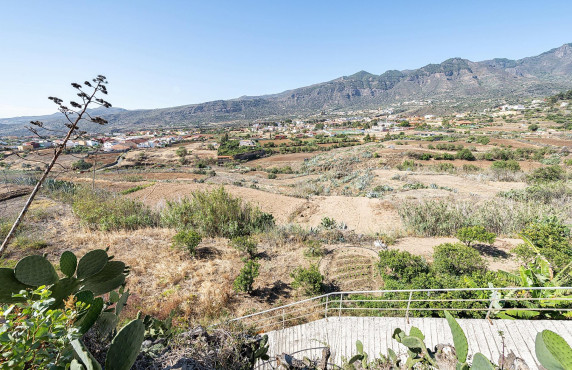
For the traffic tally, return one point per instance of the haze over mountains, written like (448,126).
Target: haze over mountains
(454,84)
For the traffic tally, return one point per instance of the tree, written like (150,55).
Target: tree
(74,116)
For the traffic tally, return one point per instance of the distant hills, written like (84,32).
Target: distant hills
(455,84)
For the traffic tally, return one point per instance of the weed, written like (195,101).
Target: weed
(106,211)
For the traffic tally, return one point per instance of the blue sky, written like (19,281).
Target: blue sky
(168,53)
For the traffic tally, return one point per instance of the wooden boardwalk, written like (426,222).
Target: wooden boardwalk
(341,333)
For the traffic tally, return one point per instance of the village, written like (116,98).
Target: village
(369,124)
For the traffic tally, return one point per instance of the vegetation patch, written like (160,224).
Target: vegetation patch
(216,213)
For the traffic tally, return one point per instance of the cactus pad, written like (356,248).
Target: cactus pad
(35,271)
(415,332)
(106,324)
(552,351)
(9,285)
(459,338)
(87,321)
(63,289)
(109,278)
(85,296)
(121,303)
(68,263)
(125,346)
(480,362)
(91,263)
(85,356)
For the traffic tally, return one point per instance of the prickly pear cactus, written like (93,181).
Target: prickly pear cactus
(552,351)
(93,262)
(459,338)
(480,362)
(68,263)
(35,271)
(110,277)
(125,346)
(94,273)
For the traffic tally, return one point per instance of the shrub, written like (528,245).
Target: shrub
(246,245)
(272,176)
(470,168)
(401,265)
(465,154)
(35,336)
(445,217)
(510,165)
(188,239)
(81,165)
(328,223)
(309,279)
(407,165)
(314,249)
(245,280)
(457,259)
(105,211)
(547,174)
(181,151)
(471,234)
(445,167)
(216,213)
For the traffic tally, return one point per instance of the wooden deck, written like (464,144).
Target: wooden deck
(341,333)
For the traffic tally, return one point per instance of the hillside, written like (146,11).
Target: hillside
(456,82)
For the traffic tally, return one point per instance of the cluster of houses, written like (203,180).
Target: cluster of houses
(108,143)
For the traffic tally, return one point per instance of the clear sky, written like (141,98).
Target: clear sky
(167,53)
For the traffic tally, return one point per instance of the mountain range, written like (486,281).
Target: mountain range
(453,85)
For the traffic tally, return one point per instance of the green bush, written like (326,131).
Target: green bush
(547,174)
(35,336)
(245,280)
(81,165)
(105,211)
(216,213)
(407,165)
(552,238)
(510,165)
(457,259)
(246,245)
(328,223)
(465,154)
(188,239)
(272,176)
(181,151)
(471,234)
(308,279)
(402,266)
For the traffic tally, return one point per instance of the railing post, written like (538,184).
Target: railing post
(493,297)
(340,309)
(283,325)
(408,304)
(326,312)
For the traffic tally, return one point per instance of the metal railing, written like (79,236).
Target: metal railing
(526,302)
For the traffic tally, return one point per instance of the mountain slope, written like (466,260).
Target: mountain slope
(452,82)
